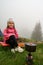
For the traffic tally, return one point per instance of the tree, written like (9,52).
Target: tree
(37,33)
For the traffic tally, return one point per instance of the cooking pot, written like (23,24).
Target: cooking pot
(30,47)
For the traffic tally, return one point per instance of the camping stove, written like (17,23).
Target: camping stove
(30,47)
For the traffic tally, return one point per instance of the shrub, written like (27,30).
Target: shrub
(1,38)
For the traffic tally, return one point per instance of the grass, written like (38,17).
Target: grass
(8,58)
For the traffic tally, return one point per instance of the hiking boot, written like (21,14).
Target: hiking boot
(20,49)
(12,50)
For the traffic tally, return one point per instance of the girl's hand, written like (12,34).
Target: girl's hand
(10,34)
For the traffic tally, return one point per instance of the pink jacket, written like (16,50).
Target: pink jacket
(8,32)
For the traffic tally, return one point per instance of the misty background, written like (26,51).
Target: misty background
(25,13)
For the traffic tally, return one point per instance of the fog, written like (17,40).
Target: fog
(25,13)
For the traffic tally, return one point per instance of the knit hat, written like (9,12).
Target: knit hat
(11,19)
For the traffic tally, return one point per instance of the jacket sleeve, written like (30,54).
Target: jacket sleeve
(5,33)
(16,34)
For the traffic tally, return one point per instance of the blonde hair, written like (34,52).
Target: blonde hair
(9,21)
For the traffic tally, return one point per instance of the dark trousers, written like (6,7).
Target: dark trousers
(12,41)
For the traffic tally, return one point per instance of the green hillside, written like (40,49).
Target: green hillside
(8,58)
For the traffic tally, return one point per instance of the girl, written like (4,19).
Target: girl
(11,36)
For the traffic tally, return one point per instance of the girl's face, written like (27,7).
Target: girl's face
(11,24)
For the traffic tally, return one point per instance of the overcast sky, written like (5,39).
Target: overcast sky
(26,13)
